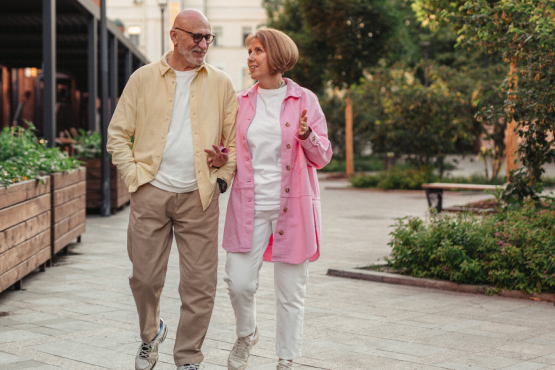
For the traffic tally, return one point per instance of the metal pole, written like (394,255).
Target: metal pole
(113,73)
(92,66)
(162,8)
(49,71)
(105,207)
(128,65)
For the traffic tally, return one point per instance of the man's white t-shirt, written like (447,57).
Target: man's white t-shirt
(264,141)
(177,169)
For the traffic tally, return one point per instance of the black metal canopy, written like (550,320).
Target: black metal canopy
(21,38)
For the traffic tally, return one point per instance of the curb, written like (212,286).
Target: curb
(384,277)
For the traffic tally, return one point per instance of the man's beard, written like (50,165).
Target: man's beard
(189,55)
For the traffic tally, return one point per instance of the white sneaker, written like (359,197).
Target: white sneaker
(147,356)
(190,367)
(284,365)
(239,355)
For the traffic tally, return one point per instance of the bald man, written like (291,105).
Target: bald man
(177,109)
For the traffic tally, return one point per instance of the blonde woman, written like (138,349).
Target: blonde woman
(274,208)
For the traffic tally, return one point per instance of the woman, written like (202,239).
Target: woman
(274,207)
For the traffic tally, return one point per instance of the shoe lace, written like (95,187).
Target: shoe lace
(241,346)
(145,350)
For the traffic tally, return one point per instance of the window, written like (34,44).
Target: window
(134,32)
(246,32)
(218,31)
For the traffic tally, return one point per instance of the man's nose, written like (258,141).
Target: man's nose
(203,44)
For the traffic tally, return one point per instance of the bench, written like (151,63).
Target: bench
(434,192)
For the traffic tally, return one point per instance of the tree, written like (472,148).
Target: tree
(337,40)
(522,32)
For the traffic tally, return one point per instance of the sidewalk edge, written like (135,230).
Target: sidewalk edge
(384,277)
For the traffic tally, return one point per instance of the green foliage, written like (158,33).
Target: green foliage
(406,178)
(514,249)
(23,157)
(88,144)
(337,39)
(366,164)
(521,31)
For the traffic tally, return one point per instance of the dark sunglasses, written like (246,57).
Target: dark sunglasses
(197,37)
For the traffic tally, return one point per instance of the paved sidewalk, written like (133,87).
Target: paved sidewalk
(81,315)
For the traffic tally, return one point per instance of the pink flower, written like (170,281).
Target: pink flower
(500,242)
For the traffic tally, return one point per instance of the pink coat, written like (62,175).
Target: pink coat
(298,229)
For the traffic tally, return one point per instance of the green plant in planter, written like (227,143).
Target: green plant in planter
(88,144)
(24,157)
(514,249)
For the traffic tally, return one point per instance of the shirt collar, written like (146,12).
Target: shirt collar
(165,67)
(293,90)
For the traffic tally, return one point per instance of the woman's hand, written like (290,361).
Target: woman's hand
(216,158)
(304,129)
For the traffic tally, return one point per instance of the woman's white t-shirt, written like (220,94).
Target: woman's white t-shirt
(264,141)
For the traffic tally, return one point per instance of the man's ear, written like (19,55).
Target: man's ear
(173,36)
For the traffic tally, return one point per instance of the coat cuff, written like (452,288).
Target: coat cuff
(311,141)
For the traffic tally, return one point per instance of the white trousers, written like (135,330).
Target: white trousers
(242,276)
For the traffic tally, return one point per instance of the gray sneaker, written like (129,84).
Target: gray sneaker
(190,367)
(147,356)
(284,365)
(239,355)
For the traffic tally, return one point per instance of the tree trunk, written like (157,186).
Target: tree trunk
(510,135)
(349,167)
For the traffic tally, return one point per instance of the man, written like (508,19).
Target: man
(175,108)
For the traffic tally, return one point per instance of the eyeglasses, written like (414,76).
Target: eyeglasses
(197,37)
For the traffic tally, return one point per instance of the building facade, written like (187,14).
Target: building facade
(231,21)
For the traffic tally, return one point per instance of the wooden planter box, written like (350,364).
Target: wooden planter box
(25,229)
(119,195)
(68,207)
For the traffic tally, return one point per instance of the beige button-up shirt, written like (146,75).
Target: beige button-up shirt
(144,111)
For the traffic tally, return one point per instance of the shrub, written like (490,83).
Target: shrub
(23,157)
(406,178)
(514,249)
(361,165)
(88,144)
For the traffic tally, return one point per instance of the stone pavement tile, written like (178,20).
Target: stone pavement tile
(5,322)
(390,354)
(33,317)
(527,348)
(18,336)
(418,324)
(507,354)
(74,326)
(485,361)
(363,361)
(6,358)
(51,301)
(64,363)
(415,349)
(28,365)
(458,341)
(88,309)
(500,328)
(435,358)
(413,366)
(85,353)
(526,366)
(457,366)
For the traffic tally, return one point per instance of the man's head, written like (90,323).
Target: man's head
(189,25)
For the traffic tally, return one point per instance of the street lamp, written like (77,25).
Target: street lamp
(426,46)
(163,4)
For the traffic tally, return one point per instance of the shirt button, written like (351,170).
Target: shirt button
(162,136)
(285,209)
(288,146)
(287,190)
(158,155)
(170,100)
(287,124)
(173,82)
(281,232)
(167,117)
(288,168)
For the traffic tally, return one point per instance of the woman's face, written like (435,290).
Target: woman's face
(258,61)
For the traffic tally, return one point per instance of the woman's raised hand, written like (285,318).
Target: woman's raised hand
(304,129)
(216,158)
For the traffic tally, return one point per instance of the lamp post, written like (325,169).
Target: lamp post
(163,4)
(426,46)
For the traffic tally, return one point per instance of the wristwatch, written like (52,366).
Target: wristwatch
(223,186)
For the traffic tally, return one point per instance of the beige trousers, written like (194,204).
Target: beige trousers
(155,216)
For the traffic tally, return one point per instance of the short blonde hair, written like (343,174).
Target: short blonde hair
(282,51)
